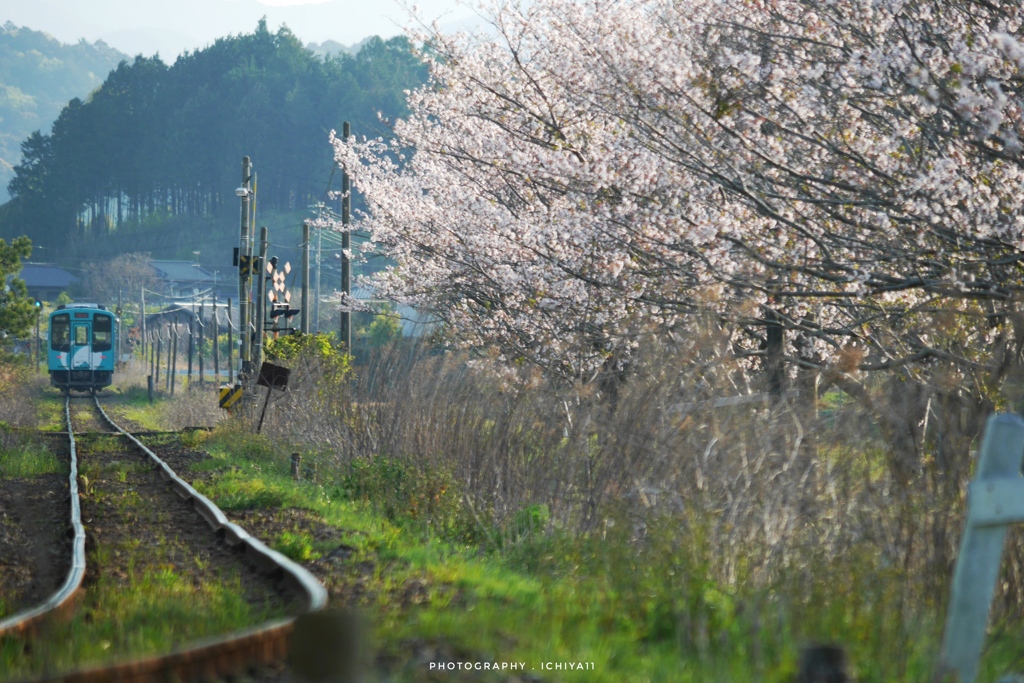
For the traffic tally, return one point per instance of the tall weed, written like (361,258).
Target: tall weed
(724,529)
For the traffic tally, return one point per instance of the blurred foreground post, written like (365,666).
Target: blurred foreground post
(329,646)
(995,499)
(823,664)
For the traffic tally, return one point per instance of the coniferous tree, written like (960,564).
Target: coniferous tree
(157,141)
(17,309)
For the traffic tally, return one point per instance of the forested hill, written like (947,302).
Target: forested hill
(160,145)
(38,75)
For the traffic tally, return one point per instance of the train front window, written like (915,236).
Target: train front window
(60,332)
(81,335)
(102,333)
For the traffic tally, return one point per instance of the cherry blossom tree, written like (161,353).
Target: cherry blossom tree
(839,181)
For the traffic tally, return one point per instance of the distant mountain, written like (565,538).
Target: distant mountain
(38,76)
(332,48)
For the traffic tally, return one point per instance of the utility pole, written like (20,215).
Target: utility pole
(170,334)
(231,349)
(216,341)
(191,344)
(261,299)
(346,244)
(142,315)
(119,316)
(304,313)
(319,244)
(39,340)
(244,268)
(202,341)
(174,359)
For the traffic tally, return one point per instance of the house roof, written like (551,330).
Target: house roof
(46,275)
(363,293)
(181,271)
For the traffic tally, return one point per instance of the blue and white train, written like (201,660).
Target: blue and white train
(82,346)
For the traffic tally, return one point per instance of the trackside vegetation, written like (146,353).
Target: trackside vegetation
(707,546)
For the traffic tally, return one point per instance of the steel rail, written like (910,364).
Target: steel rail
(66,594)
(222,655)
(299,578)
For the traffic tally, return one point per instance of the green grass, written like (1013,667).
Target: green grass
(133,403)
(50,411)
(652,610)
(161,610)
(649,611)
(297,546)
(247,491)
(29,460)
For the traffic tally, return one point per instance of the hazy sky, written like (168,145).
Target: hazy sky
(171,26)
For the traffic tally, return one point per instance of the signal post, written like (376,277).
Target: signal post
(244,193)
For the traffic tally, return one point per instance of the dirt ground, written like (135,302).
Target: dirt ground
(35,547)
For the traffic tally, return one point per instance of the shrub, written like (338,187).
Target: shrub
(296,546)
(410,495)
(310,349)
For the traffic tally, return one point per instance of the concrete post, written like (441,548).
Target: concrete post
(304,313)
(244,249)
(261,301)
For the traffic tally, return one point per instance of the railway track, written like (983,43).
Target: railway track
(179,525)
(61,600)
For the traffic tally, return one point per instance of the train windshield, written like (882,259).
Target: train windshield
(60,332)
(102,332)
(81,335)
